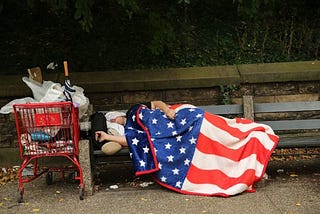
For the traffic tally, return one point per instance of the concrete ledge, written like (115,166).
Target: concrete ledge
(280,72)
(172,78)
(157,79)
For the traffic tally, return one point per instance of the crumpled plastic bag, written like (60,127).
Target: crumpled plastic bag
(80,100)
(49,91)
(38,90)
(53,94)
(8,108)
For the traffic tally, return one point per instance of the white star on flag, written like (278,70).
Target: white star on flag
(179,138)
(183,121)
(168,146)
(186,162)
(175,171)
(135,141)
(170,158)
(199,115)
(154,121)
(142,163)
(145,149)
(182,150)
(163,179)
(193,140)
(170,124)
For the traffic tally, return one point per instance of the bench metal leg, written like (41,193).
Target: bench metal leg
(85,162)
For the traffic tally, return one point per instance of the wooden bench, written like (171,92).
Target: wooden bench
(293,133)
(297,123)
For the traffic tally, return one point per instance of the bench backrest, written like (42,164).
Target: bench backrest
(223,109)
(232,109)
(294,124)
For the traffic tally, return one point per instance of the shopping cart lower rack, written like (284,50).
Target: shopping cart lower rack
(47,130)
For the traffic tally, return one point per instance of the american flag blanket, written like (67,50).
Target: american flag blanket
(198,152)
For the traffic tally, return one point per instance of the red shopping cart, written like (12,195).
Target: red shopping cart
(47,130)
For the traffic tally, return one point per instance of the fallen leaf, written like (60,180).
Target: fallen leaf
(58,192)
(35,210)
(293,175)
(143,199)
(1,204)
(61,200)
(298,204)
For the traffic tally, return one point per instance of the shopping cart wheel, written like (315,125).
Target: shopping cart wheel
(81,193)
(49,178)
(72,177)
(20,196)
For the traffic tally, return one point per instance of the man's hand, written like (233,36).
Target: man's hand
(170,113)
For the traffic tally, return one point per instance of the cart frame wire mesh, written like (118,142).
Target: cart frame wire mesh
(47,130)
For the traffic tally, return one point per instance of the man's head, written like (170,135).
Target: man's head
(116,117)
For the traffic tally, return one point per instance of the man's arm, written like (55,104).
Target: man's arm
(102,136)
(163,107)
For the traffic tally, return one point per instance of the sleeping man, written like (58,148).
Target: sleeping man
(191,151)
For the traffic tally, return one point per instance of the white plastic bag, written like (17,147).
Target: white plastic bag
(80,100)
(53,94)
(38,90)
(8,108)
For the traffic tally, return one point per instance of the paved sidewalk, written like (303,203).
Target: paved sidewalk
(293,187)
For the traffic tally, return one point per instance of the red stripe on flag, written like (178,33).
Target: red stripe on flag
(216,177)
(221,123)
(254,146)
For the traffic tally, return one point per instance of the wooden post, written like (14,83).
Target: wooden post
(248,110)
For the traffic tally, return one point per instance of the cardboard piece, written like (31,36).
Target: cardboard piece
(35,74)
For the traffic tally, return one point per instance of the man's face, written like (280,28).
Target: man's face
(119,120)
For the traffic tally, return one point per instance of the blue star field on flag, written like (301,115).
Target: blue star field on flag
(163,145)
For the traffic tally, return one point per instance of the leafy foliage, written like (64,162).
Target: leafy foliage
(128,34)
(226,91)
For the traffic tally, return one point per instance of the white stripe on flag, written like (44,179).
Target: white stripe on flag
(232,169)
(217,134)
(225,138)
(246,127)
(212,189)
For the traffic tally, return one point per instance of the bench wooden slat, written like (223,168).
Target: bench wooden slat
(223,109)
(299,142)
(287,106)
(123,151)
(293,124)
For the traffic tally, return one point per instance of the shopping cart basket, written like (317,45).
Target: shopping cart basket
(47,130)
